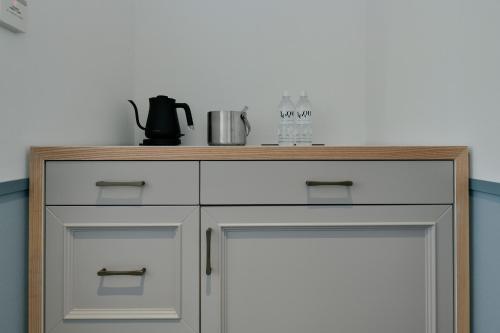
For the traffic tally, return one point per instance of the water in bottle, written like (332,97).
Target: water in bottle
(286,130)
(303,121)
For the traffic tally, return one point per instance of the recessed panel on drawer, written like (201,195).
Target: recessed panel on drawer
(110,264)
(122,182)
(326,182)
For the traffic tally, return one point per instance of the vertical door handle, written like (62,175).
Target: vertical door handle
(209,241)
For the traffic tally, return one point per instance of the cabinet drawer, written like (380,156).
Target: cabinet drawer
(122,183)
(284,182)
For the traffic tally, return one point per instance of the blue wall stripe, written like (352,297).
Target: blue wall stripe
(14,186)
(14,262)
(485,271)
(484,186)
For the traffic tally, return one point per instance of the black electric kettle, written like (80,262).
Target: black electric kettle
(162,127)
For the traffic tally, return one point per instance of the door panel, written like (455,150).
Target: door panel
(322,269)
(107,265)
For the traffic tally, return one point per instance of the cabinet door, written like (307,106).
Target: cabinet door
(349,269)
(122,269)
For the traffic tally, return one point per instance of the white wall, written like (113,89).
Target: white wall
(66,80)
(378,72)
(434,76)
(223,54)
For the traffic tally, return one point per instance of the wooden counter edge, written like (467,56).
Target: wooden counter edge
(462,243)
(250,153)
(36,244)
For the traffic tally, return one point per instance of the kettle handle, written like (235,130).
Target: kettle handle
(136,115)
(189,117)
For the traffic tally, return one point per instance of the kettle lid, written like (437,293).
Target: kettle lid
(164,98)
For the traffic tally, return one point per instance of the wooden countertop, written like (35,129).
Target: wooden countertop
(248,153)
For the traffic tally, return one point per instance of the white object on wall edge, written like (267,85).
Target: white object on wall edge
(13,15)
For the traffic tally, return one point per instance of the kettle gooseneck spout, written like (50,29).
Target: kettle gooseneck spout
(136,115)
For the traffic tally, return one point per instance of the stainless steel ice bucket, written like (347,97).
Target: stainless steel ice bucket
(228,128)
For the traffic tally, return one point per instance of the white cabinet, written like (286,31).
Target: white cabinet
(363,269)
(233,240)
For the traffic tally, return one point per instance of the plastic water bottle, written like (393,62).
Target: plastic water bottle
(303,121)
(286,130)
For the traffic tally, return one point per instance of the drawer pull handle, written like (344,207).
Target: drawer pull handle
(347,183)
(209,241)
(103,183)
(105,272)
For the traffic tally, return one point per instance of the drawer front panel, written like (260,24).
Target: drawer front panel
(114,264)
(122,183)
(284,182)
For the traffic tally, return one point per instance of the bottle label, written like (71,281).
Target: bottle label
(287,115)
(303,116)
(286,132)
